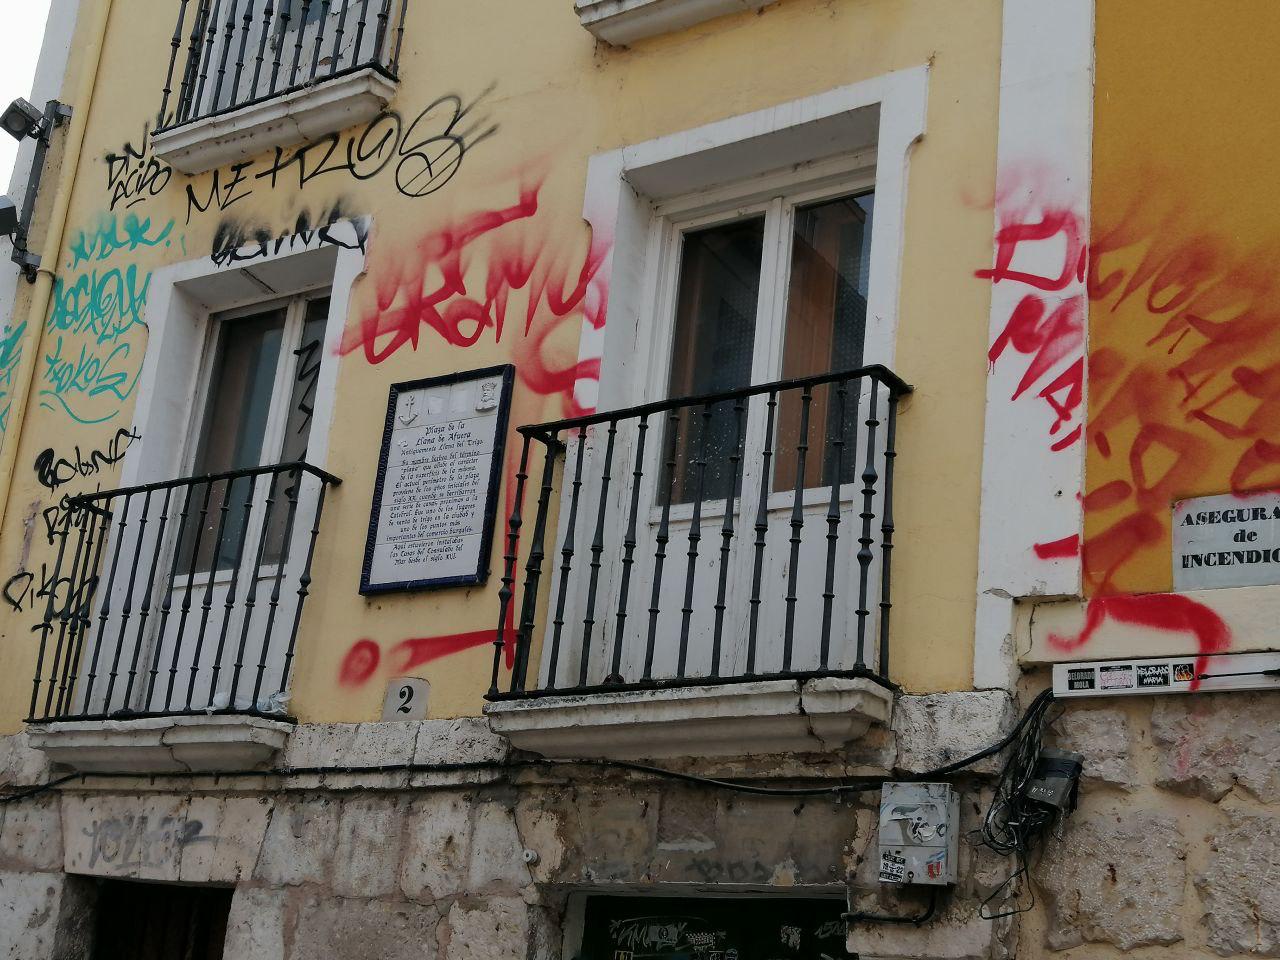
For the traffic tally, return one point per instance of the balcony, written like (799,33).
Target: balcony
(245,76)
(169,636)
(714,577)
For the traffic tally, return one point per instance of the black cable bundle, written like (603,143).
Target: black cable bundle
(1015,824)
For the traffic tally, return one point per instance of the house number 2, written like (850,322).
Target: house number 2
(406,699)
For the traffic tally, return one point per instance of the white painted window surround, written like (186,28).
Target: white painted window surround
(620,22)
(633,195)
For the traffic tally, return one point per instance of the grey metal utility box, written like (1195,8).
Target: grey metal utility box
(919,833)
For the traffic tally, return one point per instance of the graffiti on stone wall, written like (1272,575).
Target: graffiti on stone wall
(128,843)
(235,242)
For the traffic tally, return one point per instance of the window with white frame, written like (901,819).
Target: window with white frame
(767,290)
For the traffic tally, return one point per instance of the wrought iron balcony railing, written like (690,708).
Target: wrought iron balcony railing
(743,535)
(228,54)
(180,597)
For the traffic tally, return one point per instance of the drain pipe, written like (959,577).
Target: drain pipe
(42,291)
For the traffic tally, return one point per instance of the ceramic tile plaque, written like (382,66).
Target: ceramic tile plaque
(1226,541)
(435,497)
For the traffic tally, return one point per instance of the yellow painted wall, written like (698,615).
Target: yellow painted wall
(556,98)
(1184,326)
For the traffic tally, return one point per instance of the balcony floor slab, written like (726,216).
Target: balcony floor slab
(198,744)
(714,720)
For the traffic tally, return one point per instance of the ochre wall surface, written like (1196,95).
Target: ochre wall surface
(1184,388)
(540,97)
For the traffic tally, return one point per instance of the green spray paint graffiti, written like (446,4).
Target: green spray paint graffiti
(10,354)
(96,330)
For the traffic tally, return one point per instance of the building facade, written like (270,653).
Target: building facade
(514,480)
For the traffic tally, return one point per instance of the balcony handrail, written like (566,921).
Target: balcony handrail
(878,372)
(291,466)
(867,453)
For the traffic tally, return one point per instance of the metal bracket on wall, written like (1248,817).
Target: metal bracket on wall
(55,115)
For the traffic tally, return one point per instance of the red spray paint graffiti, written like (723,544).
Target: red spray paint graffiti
(457,282)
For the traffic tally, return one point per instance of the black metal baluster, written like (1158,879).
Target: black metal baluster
(268,17)
(227,38)
(190,70)
(507,591)
(86,625)
(395,57)
(127,612)
(273,601)
(337,39)
(145,612)
(324,22)
(251,595)
(727,533)
(304,586)
(230,603)
(48,621)
(211,34)
(178,557)
(597,548)
(175,45)
(566,559)
(694,539)
(166,605)
(761,529)
(357,54)
(277,44)
(297,44)
(384,16)
(533,567)
(244,46)
(869,477)
(206,605)
(104,615)
(65,638)
(886,532)
(78,598)
(797,528)
(833,524)
(628,553)
(663,536)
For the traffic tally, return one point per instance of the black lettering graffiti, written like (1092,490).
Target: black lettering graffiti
(52,471)
(131,842)
(235,242)
(58,596)
(135,175)
(426,154)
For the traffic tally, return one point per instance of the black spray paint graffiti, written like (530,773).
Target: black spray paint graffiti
(130,843)
(52,471)
(427,153)
(135,174)
(235,242)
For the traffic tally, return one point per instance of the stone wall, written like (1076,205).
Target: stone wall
(1177,840)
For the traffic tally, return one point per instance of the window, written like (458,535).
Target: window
(155,921)
(732,329)
(257,411)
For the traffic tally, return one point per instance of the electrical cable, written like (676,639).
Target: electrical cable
(852,785)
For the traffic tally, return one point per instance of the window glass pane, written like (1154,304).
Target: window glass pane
(231,434)
(825,329)
(302,396)
(712,349)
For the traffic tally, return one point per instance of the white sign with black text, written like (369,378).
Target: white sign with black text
(435,496)
(1226,541)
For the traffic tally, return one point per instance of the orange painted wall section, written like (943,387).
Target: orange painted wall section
(1184,313)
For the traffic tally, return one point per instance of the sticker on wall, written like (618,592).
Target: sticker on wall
(406,699)
(1226,541)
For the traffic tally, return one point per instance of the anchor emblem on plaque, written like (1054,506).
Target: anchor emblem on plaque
(408,410)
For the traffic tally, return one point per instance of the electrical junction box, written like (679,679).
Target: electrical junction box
(919,833)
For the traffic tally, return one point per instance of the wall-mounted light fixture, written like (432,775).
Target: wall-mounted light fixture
(22,120)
